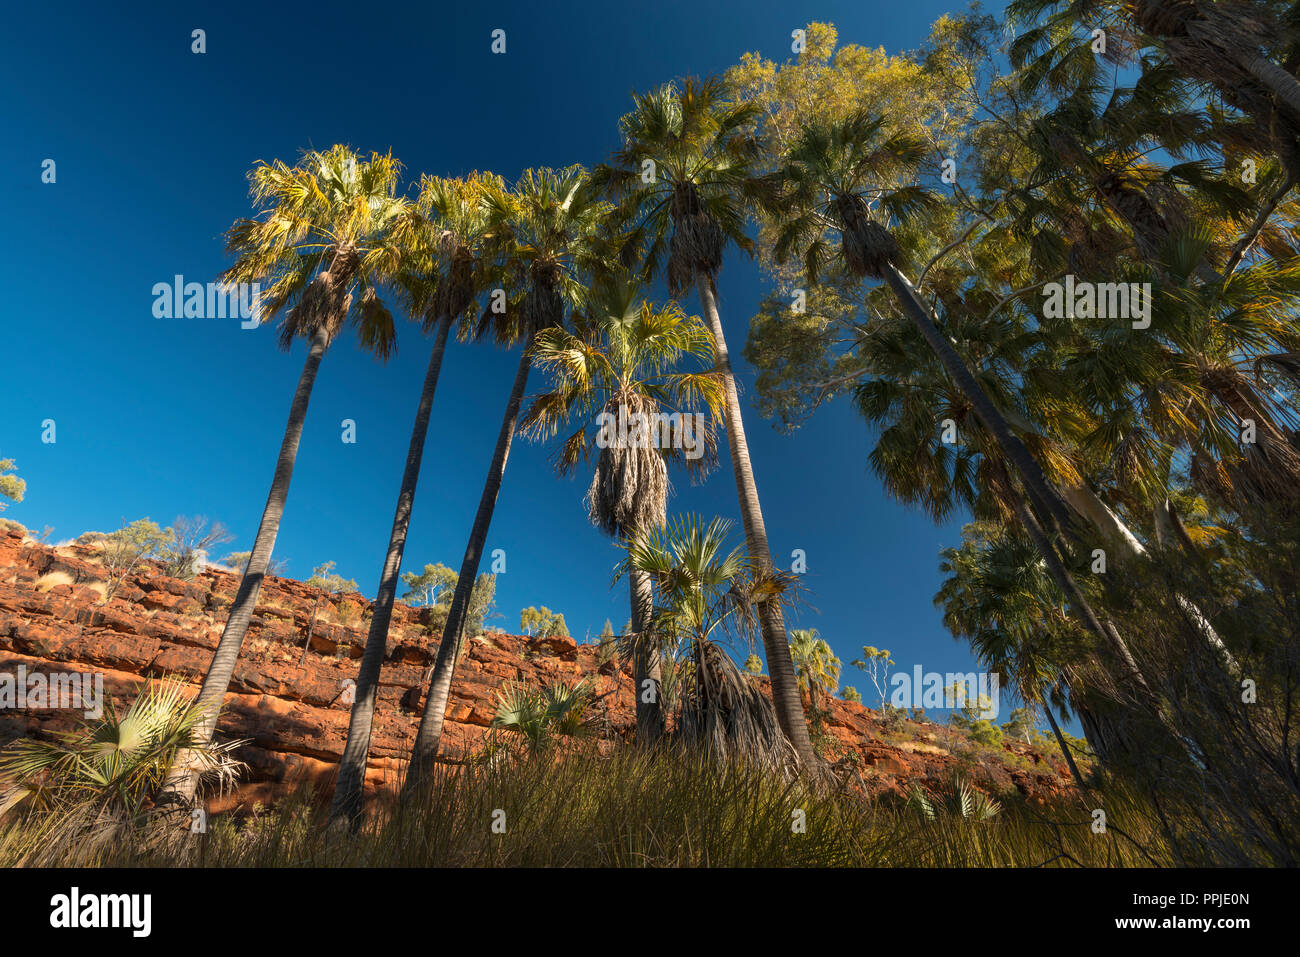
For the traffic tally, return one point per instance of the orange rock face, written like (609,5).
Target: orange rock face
(293,716)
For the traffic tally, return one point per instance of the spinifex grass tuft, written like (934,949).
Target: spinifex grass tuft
(663,808)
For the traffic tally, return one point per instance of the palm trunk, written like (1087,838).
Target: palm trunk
(785,692)
(1065,581)
(349,787)
(1065,748)
(646,662)
(1041,492)
(429,736)
(1086,502)
(1273,78)
(182,780)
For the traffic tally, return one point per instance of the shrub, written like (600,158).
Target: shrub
(90,789)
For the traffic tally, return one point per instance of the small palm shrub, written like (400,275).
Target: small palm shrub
(962,802)
(542,713)
(94,786)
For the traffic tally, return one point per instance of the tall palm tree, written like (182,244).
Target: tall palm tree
(815,663)
(1230,46)
(441,279)
(550,233)
(998,597)
(840,175)
(705,593)
(618,365)
(328,239)
(686,170)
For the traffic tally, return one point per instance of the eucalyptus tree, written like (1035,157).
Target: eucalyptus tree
(549,234)
(686,173)
(325,244)
(441,276)
(615,381)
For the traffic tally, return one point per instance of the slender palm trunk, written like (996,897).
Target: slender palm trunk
(1065,581)
(1273,78)
(1041,492)
(349,787)
(429,735)
(647,664)
(785,692)
(1086,502)
(182,780)
(1065,748)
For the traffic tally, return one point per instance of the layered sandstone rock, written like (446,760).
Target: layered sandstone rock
(53,617)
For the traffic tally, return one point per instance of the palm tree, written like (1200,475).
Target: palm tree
(452,234)
(549,234)
(706,592)
(97,781)
(815,664)
(999,597)
(839,176)
(1230,46)
(617,366)
(686,171)
(328,239)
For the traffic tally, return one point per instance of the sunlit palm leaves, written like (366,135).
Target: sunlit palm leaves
(108,770)
(330,235)
(683,175)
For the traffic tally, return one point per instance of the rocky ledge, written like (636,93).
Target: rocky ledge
(290,708)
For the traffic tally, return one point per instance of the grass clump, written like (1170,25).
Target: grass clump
(634,808)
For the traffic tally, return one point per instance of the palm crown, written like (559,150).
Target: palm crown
(331,235)
(550,235)
(685,170)
(621,360)
(843,177)
(445,269)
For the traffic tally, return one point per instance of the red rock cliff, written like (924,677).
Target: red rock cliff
(53,618)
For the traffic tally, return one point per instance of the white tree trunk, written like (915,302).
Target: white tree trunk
(1085,501)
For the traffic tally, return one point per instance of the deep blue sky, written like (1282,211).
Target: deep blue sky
(166,417)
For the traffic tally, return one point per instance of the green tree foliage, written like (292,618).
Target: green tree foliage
(326,579)
(434,587)
(126,549)
(11,486)
(1021,724)
(876,662)
(542,622)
